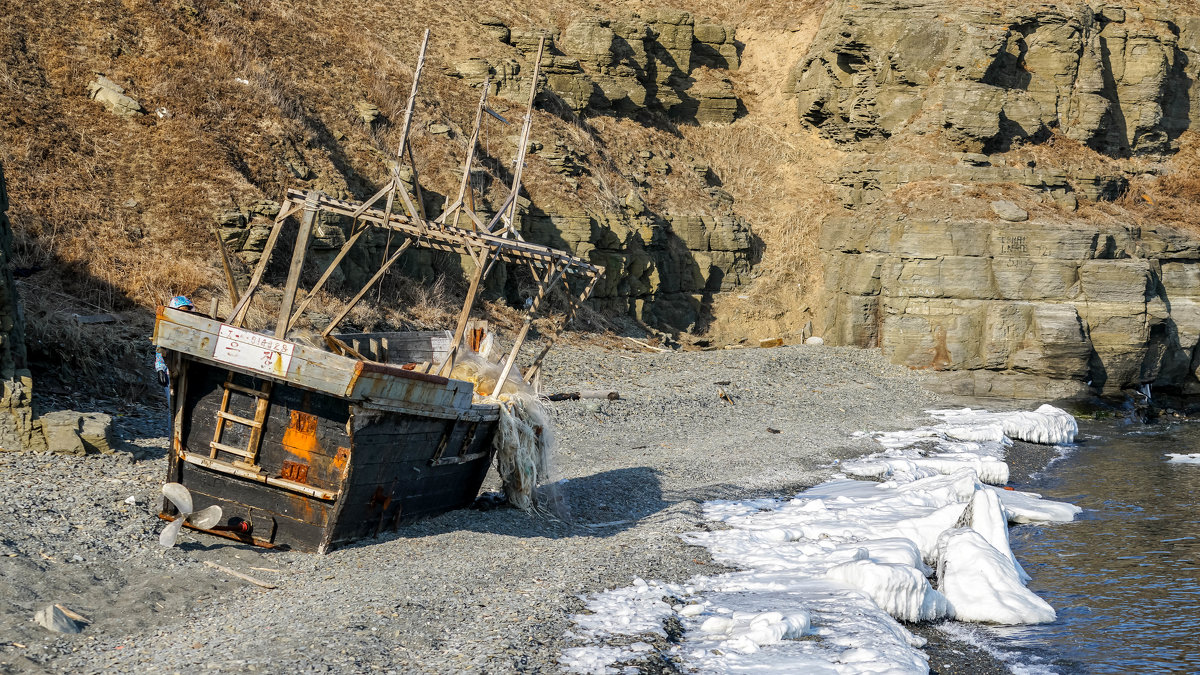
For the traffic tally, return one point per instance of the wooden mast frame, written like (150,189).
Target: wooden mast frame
(484,242)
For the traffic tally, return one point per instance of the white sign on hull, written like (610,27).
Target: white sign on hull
(252,350)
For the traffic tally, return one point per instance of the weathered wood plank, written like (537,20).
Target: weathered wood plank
(299,251)
(459,240)
(401,348)
(196,336)
(302,427)
(297,520)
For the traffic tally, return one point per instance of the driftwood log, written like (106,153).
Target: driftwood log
(577,395)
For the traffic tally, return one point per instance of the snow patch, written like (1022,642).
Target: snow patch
(1047,425)
(825,574)
(965,438)
(1029,507)
(900,590)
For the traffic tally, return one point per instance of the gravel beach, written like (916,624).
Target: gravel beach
(470,591)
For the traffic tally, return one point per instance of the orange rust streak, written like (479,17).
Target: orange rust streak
(340,460)
(300,438)
(304,510)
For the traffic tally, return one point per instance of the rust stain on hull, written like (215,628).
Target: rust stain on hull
(341,462)
(300,438)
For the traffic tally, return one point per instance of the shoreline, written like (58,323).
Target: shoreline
(469,591)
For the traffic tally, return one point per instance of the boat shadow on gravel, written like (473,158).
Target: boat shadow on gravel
(600,505)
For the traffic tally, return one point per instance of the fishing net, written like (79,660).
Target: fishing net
(484,374)
(524,439)
(524,443)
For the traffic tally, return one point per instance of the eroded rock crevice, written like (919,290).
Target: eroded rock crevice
(18,430)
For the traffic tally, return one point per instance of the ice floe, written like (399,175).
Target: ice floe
(965,438)
(823,576)
(1193,458)
(982,584)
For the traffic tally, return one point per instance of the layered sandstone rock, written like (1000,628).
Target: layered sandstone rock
(1019,296)
(662,269)
(1115,79)
(1025,305)
(660,62)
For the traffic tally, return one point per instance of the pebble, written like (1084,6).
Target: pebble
(53,619)
(469,591)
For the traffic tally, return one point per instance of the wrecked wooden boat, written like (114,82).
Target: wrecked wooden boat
(316,443)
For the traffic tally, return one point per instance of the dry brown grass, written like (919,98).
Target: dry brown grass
(1168,193)
(121,210)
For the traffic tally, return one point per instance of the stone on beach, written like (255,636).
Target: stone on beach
(54,619)
(1009,211)
(74,433)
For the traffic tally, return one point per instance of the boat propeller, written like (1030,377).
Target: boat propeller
(203,519)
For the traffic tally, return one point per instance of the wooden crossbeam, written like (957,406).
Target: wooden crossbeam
(574,302)
(239,311)
(246,421)
(366,287)
(358,233)
(458,240)
(465,184)
(497,240)
(553,274)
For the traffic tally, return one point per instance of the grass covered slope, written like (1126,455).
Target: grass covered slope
(243,99)
(239,97)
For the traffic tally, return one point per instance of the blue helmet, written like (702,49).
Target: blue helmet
(180,302)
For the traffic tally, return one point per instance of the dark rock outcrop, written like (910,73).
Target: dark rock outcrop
(1020,301)
(18,430)
(658,63)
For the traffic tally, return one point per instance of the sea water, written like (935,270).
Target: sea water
(1124,576)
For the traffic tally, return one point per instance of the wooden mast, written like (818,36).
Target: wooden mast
(497,240)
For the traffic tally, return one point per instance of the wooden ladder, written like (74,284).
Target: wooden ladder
(249,454)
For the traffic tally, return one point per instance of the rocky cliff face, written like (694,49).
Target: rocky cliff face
(17,429)
(1022,295)
(661,268)
(660,62)
(1116,79)
(1029,308)
(663,67)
